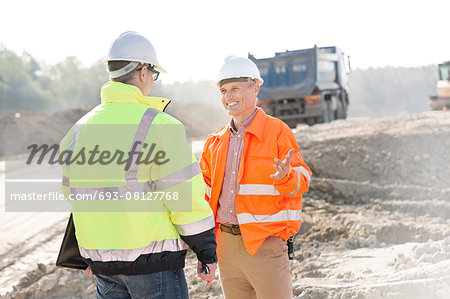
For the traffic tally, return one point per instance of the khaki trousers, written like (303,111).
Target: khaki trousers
(267,274)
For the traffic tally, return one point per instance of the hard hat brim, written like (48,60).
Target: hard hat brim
(160,69)
(259,80)
(156,67)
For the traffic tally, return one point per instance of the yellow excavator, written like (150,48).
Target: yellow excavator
(442,100)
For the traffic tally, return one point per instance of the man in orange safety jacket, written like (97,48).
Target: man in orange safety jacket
(255,177)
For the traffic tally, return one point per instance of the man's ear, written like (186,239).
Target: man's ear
(141,74)
(256,88)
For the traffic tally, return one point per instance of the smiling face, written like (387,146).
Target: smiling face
(239,99)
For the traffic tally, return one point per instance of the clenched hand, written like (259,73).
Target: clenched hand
(207,277)
(88,272)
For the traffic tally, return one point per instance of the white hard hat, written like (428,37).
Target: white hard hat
(239,67)
(132,46)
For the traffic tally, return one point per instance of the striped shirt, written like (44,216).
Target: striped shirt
(226,211)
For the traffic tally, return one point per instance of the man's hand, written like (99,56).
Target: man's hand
(88,272)
(282,167)
(207,277)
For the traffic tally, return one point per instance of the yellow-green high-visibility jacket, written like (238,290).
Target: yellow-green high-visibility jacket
(136,189)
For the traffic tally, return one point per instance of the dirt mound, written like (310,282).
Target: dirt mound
(23,128)
(404,150)
(376,218)
(376,221)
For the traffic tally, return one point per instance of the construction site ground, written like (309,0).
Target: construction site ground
(376,219)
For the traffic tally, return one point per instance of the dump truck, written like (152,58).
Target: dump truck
(305,86)
(441,101)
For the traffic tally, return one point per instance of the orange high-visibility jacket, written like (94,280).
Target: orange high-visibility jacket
(264,207)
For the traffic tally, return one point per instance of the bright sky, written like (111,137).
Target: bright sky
(193,37)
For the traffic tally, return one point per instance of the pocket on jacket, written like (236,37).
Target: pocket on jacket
(260,167)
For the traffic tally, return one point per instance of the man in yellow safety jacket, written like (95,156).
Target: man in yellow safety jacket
(138,198)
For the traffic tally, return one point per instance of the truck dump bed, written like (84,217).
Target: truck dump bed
(291,76)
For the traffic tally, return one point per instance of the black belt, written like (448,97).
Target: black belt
(230,228)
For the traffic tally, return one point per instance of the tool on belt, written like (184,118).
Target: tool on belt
(290,245)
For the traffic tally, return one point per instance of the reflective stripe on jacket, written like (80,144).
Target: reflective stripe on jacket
(264,207)
(150,239)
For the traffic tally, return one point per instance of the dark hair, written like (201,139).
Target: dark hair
(115,65)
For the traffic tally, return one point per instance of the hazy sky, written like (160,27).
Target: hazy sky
(193,37)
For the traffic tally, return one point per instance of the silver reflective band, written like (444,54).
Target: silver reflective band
(266,189)
(257,189)
(130,255)
(139,138)
(208,190)
(303,171)
(285,215)
(178,177)
(71,144)
(300,170)
(171,180)
(196,227)
(123,71)
(130,174)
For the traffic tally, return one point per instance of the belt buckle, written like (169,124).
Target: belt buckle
(222,227)
(233,227)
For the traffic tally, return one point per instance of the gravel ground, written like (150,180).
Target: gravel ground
(376,220)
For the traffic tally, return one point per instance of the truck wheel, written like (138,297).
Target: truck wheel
(292,123)
(328,113)
(310,121)
(344,105)
(341,112)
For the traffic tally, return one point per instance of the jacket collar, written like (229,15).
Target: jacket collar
(116,92)
(256,126)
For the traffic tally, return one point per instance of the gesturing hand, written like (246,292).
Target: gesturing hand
(282,167)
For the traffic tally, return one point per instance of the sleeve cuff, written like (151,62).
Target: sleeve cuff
(285,179)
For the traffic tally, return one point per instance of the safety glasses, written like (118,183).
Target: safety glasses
(155,74)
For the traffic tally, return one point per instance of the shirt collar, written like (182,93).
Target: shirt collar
(244,125)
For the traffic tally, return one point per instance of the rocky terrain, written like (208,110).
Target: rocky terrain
(376,220)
